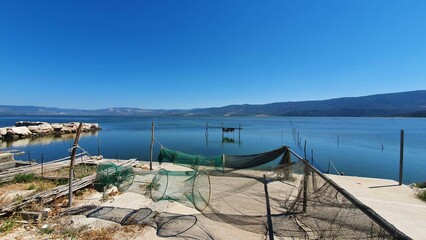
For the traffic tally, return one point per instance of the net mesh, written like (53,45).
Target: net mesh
(108,174)
(303,202)
(230,192)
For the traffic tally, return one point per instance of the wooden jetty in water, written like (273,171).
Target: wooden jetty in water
(224,131)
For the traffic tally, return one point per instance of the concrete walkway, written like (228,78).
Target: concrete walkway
(397,204)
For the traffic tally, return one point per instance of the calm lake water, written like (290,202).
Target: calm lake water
(357,146)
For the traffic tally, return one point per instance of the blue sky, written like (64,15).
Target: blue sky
(190,54)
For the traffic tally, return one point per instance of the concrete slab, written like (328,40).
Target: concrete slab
(397,204)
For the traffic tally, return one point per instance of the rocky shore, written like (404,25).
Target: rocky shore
(24,129)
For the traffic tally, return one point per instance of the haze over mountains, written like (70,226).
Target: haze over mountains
(411,103)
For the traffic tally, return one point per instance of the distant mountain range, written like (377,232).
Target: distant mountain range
(405,104)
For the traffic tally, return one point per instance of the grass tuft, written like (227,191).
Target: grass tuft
(24,178)
(7,226)
(422,195)
(421,185)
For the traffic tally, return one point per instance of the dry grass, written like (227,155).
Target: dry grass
(83,233)
(93,234)
(3,199)
(13,191)
(80,171)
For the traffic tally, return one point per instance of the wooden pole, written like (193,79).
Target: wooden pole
(73,153)
(239,133)
(268,209)
(304,149)
(401,157)
(207,134)
(99,146)
(152,146)
(222,130)
(305,188)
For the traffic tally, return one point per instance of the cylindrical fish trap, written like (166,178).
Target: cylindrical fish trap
(182,186)
(108,174)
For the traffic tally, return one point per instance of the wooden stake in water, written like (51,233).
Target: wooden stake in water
(304,149)
(73,153)
(99,147)
(401,157)
(152,146)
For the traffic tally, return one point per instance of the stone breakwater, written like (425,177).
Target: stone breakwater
(35,129)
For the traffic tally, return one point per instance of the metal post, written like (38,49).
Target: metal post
(268,209)
(401,157)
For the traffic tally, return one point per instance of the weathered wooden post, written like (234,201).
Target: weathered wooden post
(401,157)
(152,146)
(305,186)
(73,153)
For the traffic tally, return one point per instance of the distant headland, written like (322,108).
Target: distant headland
(402,104)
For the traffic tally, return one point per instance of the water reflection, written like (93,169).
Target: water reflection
(42,140)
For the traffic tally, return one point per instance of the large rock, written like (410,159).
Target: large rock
(57,127)
(3,131)
(21,132)
(69,128)
(33,129)
(42,129)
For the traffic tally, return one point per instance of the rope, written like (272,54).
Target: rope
(334,167)
(155,139)
(82,149)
